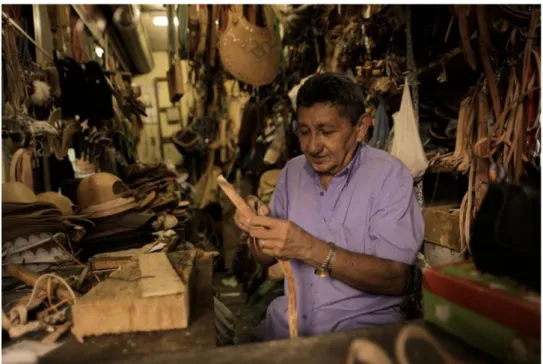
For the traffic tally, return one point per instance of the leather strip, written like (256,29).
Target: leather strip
(291,299)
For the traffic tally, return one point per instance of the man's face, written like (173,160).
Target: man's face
(327,139)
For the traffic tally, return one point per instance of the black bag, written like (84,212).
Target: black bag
(506,233)
(74,97)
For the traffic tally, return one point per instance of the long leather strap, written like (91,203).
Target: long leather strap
(291,299)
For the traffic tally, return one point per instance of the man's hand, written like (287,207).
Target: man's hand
(281,239)
(257,206)
(241,221)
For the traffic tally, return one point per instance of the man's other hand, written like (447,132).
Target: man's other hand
(281,239)
(257,206)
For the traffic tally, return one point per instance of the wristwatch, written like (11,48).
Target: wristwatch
(324,270)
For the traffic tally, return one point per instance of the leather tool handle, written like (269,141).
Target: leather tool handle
(22,273)
(29,277)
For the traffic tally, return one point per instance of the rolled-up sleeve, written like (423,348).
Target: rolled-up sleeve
(278,203)
(396,225)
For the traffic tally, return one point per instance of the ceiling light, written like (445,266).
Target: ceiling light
(99,52)
(162,21)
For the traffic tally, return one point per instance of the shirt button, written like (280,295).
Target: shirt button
(322,193)
(323,220)
(304,317)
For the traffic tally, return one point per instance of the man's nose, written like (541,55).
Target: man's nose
(314,145)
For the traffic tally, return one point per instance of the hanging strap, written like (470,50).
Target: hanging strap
(171,36)
(183,28)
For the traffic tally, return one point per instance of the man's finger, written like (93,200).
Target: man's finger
(261,233)
(263,210)
(252,201)
(241,222)
(251,198)
(269,249)
(262,221)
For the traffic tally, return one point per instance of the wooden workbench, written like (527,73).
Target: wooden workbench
(199,337)
(325,349)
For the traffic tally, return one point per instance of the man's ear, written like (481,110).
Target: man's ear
(363,125)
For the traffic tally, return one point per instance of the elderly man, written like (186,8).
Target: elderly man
(344,214)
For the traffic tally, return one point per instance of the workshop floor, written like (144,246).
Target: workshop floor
(242,312)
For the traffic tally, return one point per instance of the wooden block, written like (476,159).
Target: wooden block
(113,260)
(107,263)
(158,278)
(116,305)
(442,227)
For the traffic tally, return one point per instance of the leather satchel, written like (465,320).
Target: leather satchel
(506,233)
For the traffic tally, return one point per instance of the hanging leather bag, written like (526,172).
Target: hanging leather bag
(506,233)
(249,52)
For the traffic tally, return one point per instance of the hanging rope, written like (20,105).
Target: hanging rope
(413,81)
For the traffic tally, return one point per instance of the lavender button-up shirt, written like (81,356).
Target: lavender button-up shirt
(369,208)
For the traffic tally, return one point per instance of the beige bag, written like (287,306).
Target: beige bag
(406,144)
(250,53)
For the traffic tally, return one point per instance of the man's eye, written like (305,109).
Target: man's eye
(304,132)
(327,132)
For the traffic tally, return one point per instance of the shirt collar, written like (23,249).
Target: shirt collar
(347,171)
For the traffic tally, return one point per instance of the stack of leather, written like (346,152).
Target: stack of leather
(157,179)
(121,215)
(38,231)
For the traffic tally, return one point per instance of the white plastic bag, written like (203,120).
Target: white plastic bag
(406,143)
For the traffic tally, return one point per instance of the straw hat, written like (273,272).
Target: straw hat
(103,194)
(19,200)
(65,206)
(17,192)
(62,202)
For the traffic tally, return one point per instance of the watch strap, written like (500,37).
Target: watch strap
(325,268)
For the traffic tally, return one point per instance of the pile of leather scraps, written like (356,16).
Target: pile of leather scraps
(39,234)
(122,217)
(39,231)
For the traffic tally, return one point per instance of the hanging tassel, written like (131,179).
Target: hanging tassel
(381,130)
